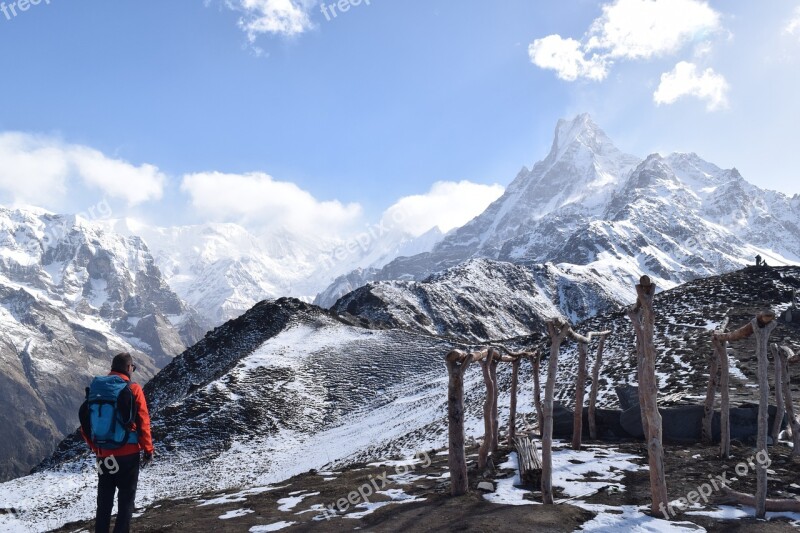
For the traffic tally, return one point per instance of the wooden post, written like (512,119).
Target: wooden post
(558,330)
(512,414)
(721,357)
(720,341)
(457,364)
(580,392)
(711,393)
(779,405)
(488,408)
(764,505)
(786,356)
(721,348)
(762,332)
(496,396)
(643,318)
(598,361)
(718,365)
(537,393)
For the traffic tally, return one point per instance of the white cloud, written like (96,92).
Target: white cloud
(627,29)
(275,17)
(641,29)
(566,58)
(448,205)
(117,178)
(258,199)
(686,80)
(793,26)
(40,170)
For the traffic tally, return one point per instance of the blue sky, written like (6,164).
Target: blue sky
(193,101)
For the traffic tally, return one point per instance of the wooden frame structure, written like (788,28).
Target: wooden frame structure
(457,362)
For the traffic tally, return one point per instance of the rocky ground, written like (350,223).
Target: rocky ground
(603,488)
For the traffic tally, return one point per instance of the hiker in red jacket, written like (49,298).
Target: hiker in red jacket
(118,465)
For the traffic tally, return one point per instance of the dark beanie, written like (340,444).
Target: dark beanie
(121,362)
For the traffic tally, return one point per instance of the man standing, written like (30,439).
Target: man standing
(118,463)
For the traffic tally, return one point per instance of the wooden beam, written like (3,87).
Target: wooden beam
(773,506)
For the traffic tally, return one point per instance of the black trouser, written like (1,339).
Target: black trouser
(122,474)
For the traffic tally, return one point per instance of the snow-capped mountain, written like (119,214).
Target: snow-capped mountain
(222,269)
(71,296)
(289,380)
(587,205)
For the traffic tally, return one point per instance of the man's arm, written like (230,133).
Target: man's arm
(142,419)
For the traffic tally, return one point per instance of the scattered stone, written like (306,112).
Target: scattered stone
(486,486)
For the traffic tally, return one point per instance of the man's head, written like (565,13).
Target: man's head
(123,363)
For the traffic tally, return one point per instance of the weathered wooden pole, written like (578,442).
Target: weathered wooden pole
(537,393)
(721,347)
(557,330)
(580,392)
(762,328)
(457,363)
(598,361)
(779,404)
(643,318)
(715,370)
(489,406)
(711,393)
(786,356)
(789,504)
(720,341)
(512,414)
(496,390)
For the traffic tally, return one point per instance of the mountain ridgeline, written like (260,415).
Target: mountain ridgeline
(591,209)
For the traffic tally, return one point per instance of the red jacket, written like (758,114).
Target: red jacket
(141,426)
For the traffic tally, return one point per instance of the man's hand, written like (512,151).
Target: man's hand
(147,458)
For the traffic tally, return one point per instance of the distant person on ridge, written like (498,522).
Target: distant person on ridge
(758,260)
(115,424)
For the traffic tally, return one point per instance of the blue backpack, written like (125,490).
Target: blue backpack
(108,412)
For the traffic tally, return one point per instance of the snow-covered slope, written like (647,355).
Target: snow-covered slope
(288,387)
(481,300)
(222,270)
(71,296)
(587,205)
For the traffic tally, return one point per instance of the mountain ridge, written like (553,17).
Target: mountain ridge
(589,205)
